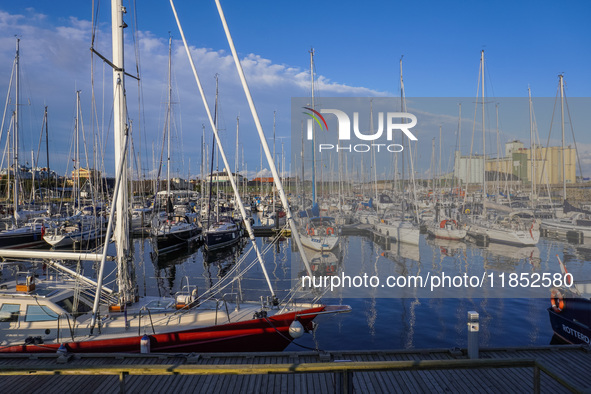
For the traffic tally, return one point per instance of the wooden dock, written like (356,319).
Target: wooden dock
(549,369)
(270,231)
(356,229)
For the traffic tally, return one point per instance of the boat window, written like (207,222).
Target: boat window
(68,303)
(40,313)
(158,305)
(9,312)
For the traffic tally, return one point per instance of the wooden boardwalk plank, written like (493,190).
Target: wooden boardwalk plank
(450,384)
(236,385)
(209,379)
(570,362)
(361,380)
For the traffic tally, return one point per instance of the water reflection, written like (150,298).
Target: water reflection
(166,266)
(448,247)
(382,317)
(507,257)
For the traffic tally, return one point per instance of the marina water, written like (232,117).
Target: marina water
(378,321)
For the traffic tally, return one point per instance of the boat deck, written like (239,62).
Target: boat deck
(405,371)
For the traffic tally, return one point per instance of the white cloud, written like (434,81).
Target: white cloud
(56,61)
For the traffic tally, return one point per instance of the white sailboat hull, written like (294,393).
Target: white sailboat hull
(59,240)
(443,231)
(507,236)
(565,225)
(320,243)
(400,231)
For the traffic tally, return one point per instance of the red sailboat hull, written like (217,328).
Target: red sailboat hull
(266,334)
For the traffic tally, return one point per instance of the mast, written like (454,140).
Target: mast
(412,168)
(215,122)
(432,166)
(562,126)
(459,144)
(373,155)
(168,115)
(47,147)
(120,132)
(237,149)
(531,144)
(217,167)
(77,192)
(302,180)
(274,157)
(15,135)
(498,178)
(440,169)
(532,148)
(8,149)
(313,131)
(203,164)
(283,166)
(402,176)
(483,134)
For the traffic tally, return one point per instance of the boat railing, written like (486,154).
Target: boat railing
(64,324)
(224,304)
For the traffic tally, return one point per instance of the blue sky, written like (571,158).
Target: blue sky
(358,47)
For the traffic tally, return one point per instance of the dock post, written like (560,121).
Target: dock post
(343,382)
(536,379)
(473,328)
(347,382)
(122,382)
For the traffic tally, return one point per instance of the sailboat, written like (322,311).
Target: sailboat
(223,231)
(88,224)
(317,232)
(513,227)
(400,224)
(271,216)
(28,234)
(575,219)
(447,229)
(36,316)
(177,229)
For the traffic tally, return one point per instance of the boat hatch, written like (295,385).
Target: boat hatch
(75,307)
(159,305)
(9,312)
(37,313)
(46,292)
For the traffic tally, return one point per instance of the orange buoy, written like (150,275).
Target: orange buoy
(557,301)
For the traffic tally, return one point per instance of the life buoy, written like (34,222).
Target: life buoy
(329,231)
(557,301)
(444,222)
(467,210)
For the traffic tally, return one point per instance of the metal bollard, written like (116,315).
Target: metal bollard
(473,328)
